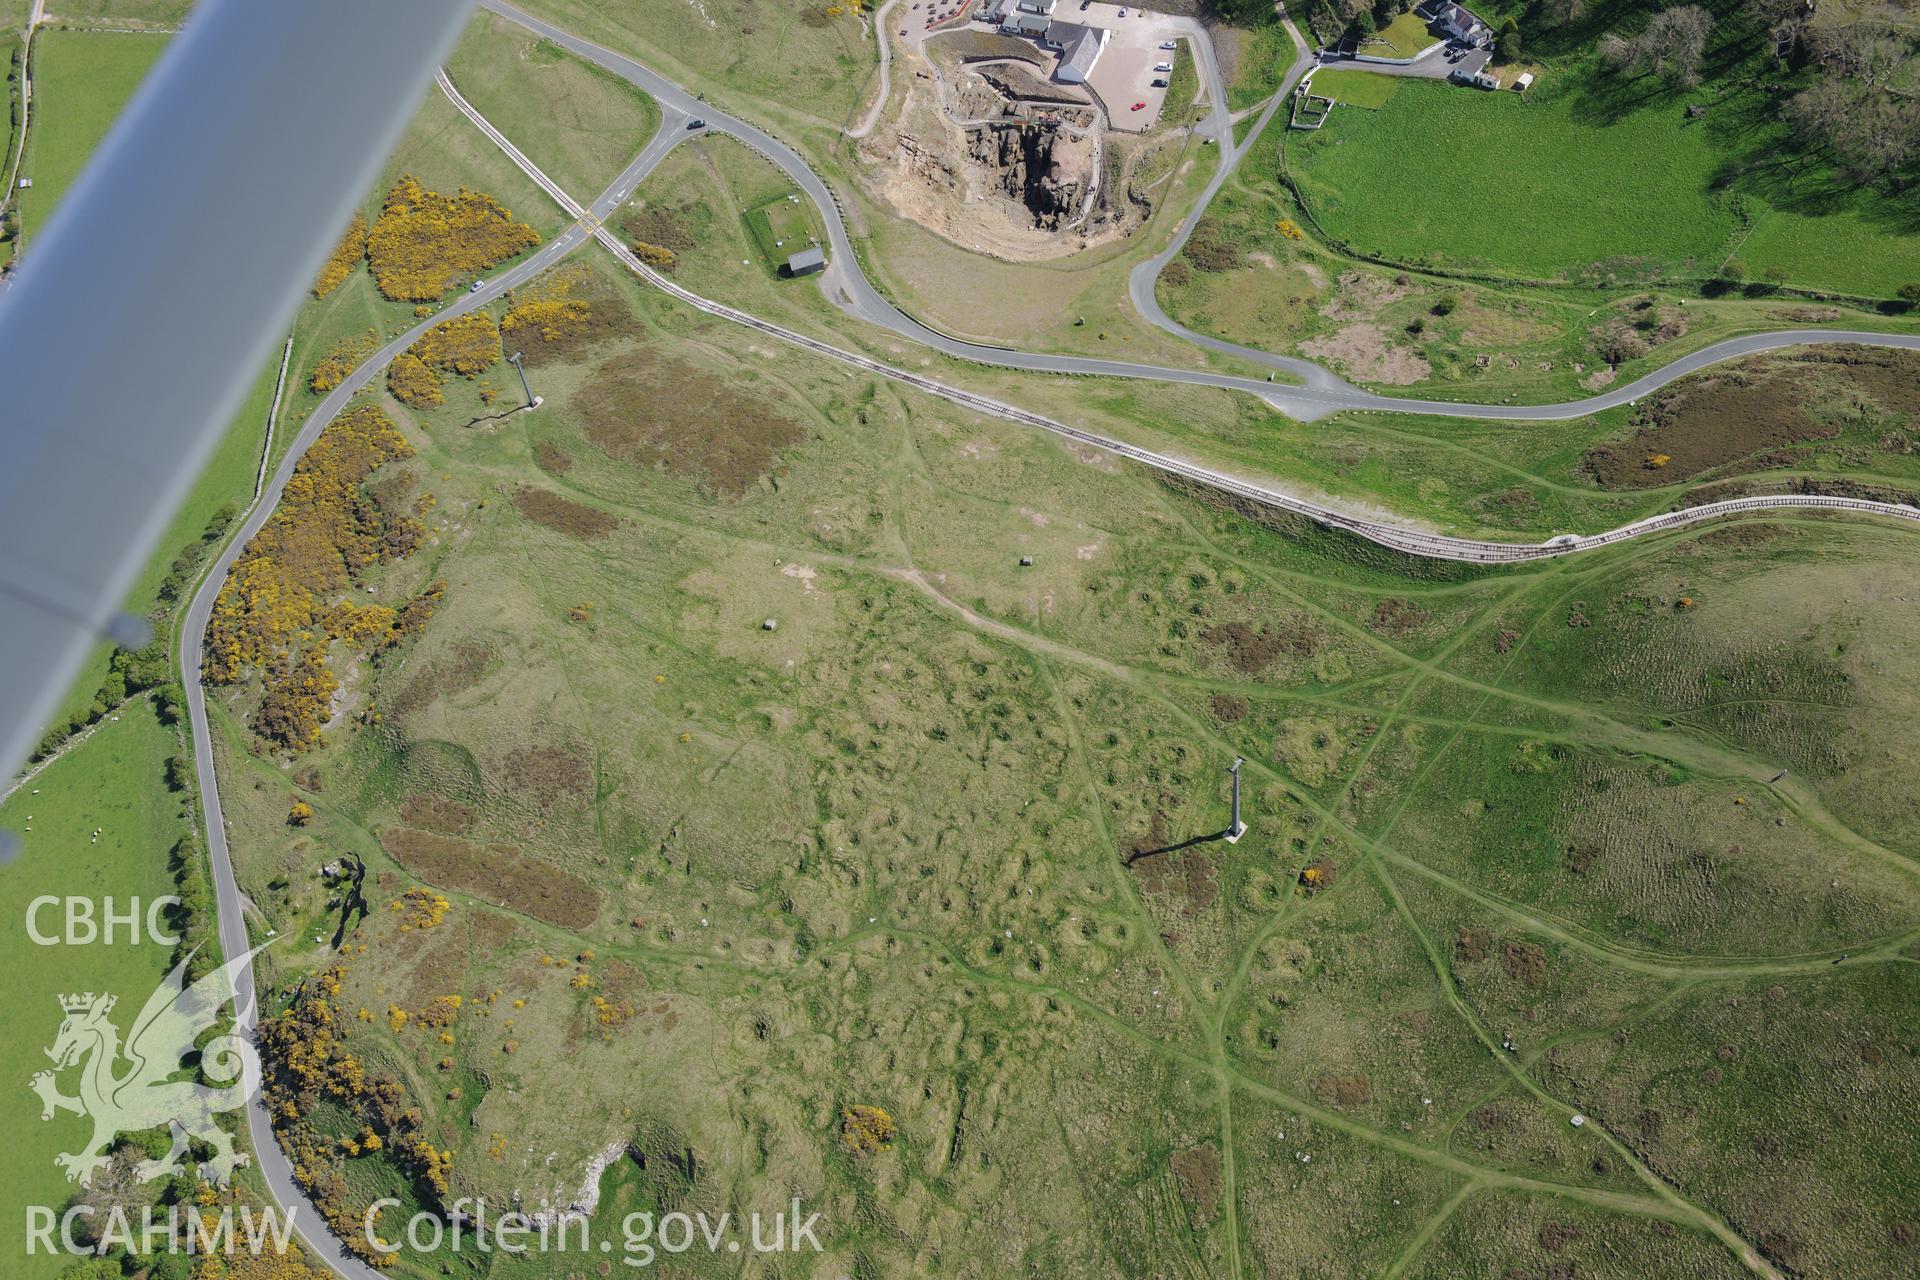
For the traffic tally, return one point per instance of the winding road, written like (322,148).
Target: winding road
(1320,393)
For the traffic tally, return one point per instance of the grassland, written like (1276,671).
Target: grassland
(1412,182)
(1405,37)
(1579,165)
(137,13)
(585,123)
(711,884)
(1367,89)
(799,64)
(1244,278)
(781,228)
(1515,851)
(113,782)
(81,81)
(1260,62)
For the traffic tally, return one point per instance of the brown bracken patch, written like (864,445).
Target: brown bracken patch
(455,671)
(1318,875)
(1525,962)
(1251,651)
(437,813)
(563,515)
(1228,707)
(1555,1236)
(600,316)
(552,458)
(496,873)
(1187,875)
(1396,616)
(547,775)
(1473,944)
(657,225)
(1742,535)
(1752,407)
(659,412)
(1343,1091)
(1198,1173)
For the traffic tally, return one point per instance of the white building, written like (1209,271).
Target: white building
(1079,48)
(1457,23)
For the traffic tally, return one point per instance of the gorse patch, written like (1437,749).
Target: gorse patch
(333,368)
(423,241)
(278,609)
(345,257)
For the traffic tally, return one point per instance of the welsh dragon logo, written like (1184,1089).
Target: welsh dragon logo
(152,1090)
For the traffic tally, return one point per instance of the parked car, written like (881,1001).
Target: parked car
(1138,106)
(1169,44)
(1123,12)
(1159,82)
(1163,66)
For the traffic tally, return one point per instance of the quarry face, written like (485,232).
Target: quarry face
(991,154)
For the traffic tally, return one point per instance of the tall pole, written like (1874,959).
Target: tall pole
(521,368)
(1236,828)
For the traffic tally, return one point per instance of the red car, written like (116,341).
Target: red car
(1139,106)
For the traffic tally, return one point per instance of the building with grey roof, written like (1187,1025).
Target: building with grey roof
(1079,48)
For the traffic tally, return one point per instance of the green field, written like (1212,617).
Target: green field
(780,229)
(114,781)
(1513,185)
(81,81)
(157,13)
(1367,89)
(1553,186)
(583,124)
(1404,37)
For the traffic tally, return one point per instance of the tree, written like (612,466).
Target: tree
(1735,270)
(1670,46)
(1365,23)
(1910,292)
(1861,109)
(1508,46)
(1783,19)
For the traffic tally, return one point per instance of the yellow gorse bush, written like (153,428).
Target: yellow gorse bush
(413,382)
(423,241)
(466,345)
(332,369)
(345,257)
(279,607)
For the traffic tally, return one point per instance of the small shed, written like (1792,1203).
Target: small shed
(1524,83)
(807,261)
